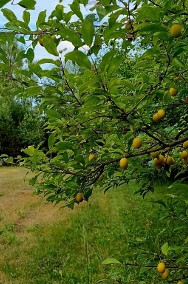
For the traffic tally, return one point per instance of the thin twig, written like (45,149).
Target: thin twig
(170,11)
(67,83)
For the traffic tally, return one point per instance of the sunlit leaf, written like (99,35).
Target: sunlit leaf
(165,249)
(111,261)
(27,4)
(87,31)
(79,57)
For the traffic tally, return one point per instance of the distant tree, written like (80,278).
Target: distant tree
(21,122)
(20,125)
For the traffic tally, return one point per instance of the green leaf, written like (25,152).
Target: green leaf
(72,36)
(21,55)
(3,3)
(58,12)
(92,101)
(165,249)
(51,140)
(71,184)
(41,18)
(33,180)
(9,15)
(65,157)
(161,202)
(111,34)
(178,184)
(30,54)
(87,192)
(26,17)
(4,156)
(167,5)
(84,2)
(105,2)
(113,17)
(101,11)
(178,62)
(152,13)
(21,39)
(53,113)
(49,61)
(29,150)
(50,45)
(111,261)
(106,60)
(152,28)
(64,146)
(10,160)
(68,16)
(3,56)
(33,90)
(166,97)
(114,64)
(178,51)
(17,25)
(75,7)
(87,31)
(28,4)
(79,57)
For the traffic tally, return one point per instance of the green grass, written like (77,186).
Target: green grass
(118,224)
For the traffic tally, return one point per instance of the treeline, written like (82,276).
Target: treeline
(21,121)
(21,125)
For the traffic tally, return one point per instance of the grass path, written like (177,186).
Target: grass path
(43,244)
(25,219)
(20,213)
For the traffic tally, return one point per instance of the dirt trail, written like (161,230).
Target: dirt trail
(19,205)
(20,211)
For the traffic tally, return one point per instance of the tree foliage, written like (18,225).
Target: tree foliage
(117,89)
(20,126)
(21,123)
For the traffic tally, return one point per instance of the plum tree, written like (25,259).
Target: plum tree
(79,197)
(184,154)
(173,92)
(91,157)
(137,143)
(161,267)
(161,113)
(165,274)
(123,163)
(102,97)
(112,87)
(185,144)
(175,30)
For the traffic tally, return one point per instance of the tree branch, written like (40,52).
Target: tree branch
(161,78)
(69,87)
(181,132)
(141,153)
(170,11)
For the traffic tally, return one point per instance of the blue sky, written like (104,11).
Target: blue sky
(40,52)
(41,5)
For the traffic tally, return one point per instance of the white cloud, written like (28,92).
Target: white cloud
(64,47)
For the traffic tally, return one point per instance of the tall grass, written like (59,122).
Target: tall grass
(70,250)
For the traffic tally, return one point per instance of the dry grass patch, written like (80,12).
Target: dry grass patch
(20,212)
(42,244)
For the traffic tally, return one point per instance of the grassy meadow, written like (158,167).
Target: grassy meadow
(43,244)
